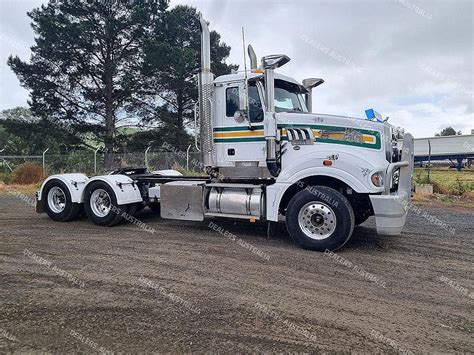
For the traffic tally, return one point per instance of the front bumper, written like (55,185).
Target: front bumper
(390,213)
(390,209)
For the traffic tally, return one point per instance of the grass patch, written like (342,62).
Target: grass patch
(186,172)
(447,181)
(24,189)
(464,201)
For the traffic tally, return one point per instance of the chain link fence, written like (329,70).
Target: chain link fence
(89,163)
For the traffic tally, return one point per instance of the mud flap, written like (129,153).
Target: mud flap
(40,207)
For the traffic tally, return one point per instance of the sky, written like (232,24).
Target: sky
(411,60)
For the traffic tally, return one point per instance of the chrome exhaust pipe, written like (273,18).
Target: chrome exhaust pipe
(253,58)
(270,125)
(206,83)
(270,63)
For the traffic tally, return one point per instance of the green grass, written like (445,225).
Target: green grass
(186,172)
(24,189)
(447,181)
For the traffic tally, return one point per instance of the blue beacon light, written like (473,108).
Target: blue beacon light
(371,114)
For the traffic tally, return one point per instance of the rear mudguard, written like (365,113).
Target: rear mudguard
(125,189)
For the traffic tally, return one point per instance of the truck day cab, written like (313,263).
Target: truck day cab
(266,157)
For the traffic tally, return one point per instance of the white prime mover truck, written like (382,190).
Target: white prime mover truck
(266,157)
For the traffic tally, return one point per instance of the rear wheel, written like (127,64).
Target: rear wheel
(58,202)
(320,218)
(100,204)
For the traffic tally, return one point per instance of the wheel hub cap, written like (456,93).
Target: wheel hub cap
(56,199)
(317,220)
(100,203)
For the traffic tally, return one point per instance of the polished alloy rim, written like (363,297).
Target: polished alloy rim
(317,220)
(100,203)
(56,199)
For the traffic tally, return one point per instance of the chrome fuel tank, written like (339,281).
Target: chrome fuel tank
(236,201)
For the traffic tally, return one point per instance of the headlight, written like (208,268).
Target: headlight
(377,179)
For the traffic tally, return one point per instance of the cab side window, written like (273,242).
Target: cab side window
(231,101)
(255,104)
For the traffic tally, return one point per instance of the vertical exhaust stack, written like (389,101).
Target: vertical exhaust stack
(269,64)
(253,58)
(206,81)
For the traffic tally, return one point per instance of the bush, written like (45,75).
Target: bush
(5,178)
(459,186)
(422,178)
(27,173)
(439,189)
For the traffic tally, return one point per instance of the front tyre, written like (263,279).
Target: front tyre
(100,204)
(320,218)
(58,202)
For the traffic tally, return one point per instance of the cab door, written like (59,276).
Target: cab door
(238,143)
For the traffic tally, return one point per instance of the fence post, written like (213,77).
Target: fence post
(146,154)
(4,161)
(429,161)
(95,160)
(187,158)
(44,162)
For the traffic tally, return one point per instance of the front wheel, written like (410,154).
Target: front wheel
(320,218)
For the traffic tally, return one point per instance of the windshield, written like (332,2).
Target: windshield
(289,97)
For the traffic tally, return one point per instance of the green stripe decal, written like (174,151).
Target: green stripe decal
(237,129)
(239,140)
(347,141)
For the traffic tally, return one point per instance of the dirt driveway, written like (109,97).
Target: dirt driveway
(225,287)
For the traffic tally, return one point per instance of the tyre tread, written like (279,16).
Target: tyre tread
(72,209)
(321,245)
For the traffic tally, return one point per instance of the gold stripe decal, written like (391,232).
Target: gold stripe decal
(240,134)
(325,134)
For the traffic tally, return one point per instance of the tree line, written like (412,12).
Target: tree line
(98,67)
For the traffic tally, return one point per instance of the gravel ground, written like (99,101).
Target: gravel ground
(194,287)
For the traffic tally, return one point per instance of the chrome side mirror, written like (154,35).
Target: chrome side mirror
(309,84)
(274,61)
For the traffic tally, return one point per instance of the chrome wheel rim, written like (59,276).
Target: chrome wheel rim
(317,220)
(100,203)
(56,199)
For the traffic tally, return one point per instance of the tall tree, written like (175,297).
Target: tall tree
(170,66)
(85,64)
(24,134)
(448,131)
